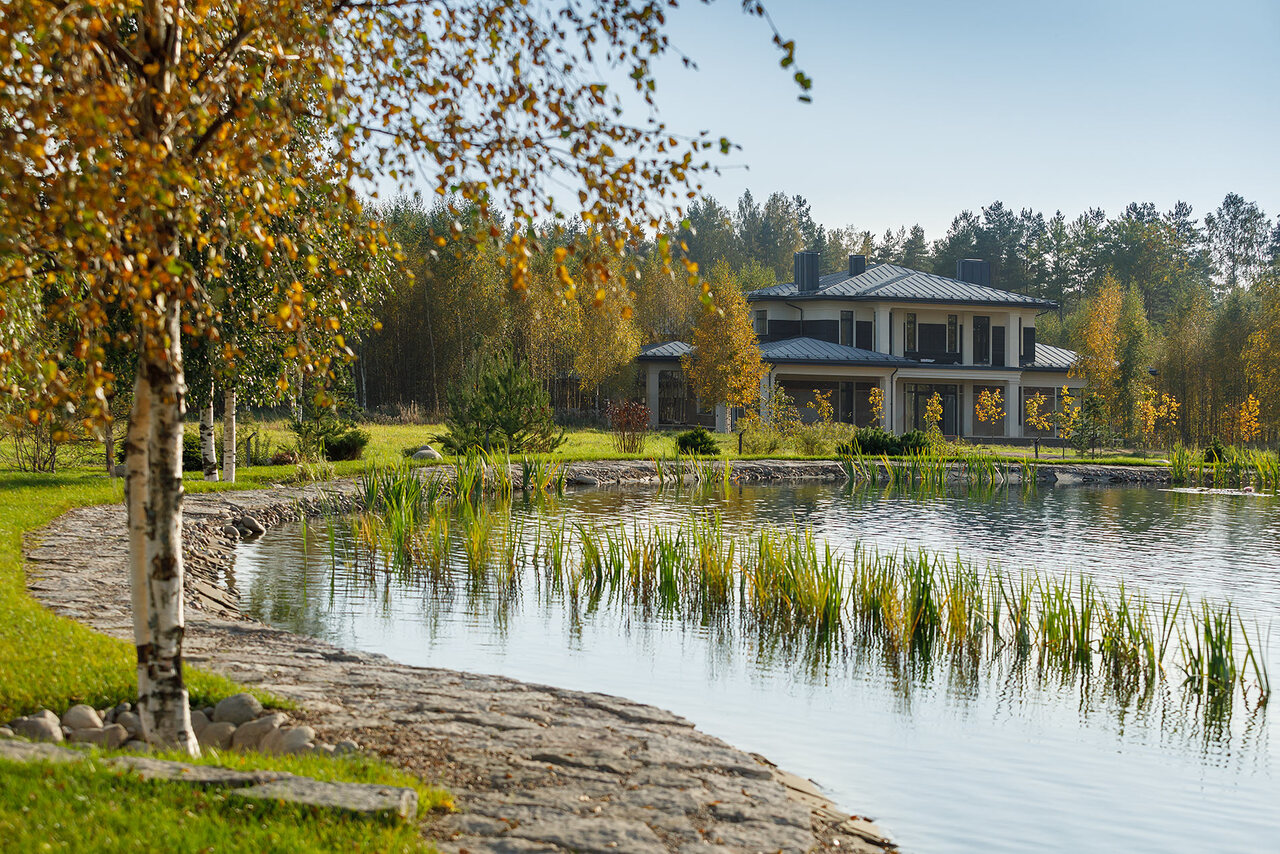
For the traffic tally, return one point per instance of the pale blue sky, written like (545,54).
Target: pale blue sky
(922,108)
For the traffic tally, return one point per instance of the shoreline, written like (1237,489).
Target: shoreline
(533,768)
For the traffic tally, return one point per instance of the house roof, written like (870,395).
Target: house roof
(1051,358)
(900,284)
(815,351)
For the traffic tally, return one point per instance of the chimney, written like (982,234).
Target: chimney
(974,271)
(806,272)
(857,265)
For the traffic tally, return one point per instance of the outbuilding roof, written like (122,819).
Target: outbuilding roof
(668,351)
(900,284)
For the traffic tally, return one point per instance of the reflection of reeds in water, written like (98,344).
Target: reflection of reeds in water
(800,598)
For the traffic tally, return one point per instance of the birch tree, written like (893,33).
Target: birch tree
(136,135)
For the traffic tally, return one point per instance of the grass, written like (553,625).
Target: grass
(89,806)
(47,661)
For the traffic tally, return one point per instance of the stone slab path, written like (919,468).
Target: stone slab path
(533,768)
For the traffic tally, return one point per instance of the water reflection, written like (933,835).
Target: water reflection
(853,714)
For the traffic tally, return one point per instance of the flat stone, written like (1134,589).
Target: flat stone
(764,836)
(598,760)
(499,845)
(595,835)
(217,736)
(364,798)
(199,775)
(237,709)
(26,751)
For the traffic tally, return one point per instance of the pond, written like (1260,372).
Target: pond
(948,756)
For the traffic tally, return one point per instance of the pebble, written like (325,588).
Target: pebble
(81,716)
(249,526)
(248,735)
(131,722)
(42,726)
(217,735)
(110,736)
(237,709)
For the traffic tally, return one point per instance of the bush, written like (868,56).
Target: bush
(629,420)
(914,442)
(760,439)
(697,441)
(330,439)
(872,440)
(1215,451)
(499,404)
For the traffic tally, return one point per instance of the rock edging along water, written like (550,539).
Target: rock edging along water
(532,768)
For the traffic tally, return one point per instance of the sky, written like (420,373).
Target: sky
(924,108)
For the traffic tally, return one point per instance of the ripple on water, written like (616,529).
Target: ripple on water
(1000,762)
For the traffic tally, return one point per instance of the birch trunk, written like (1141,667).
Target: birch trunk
(155,524)
(229,435)
(109,449)
(208,453)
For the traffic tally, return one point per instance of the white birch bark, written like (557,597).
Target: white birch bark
(163,702)
(135,493)
(229,435)
(208,453)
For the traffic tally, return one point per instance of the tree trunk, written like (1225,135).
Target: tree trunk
(154,497)
(208,453)
(109,449)
(229,435)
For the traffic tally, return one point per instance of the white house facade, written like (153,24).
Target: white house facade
(909,333)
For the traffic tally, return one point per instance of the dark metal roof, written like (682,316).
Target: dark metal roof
(900,284)
(670,351)
(813,350)
(1051,358)
(817,352)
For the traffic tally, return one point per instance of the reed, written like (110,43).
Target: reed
(909,605)
(1180,459)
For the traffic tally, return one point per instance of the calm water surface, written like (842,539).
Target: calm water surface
(948,759)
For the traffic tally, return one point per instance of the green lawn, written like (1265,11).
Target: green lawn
(49,661)
(89,807)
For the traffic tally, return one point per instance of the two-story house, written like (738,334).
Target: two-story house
(909,333)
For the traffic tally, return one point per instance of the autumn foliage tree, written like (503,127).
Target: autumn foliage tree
(725,366)
(137,137)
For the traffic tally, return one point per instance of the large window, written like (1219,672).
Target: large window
(762,323)
(846,328)
(865,335)
(981,340)
(910,340)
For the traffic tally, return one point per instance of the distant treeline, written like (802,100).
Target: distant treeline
(1200,288)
